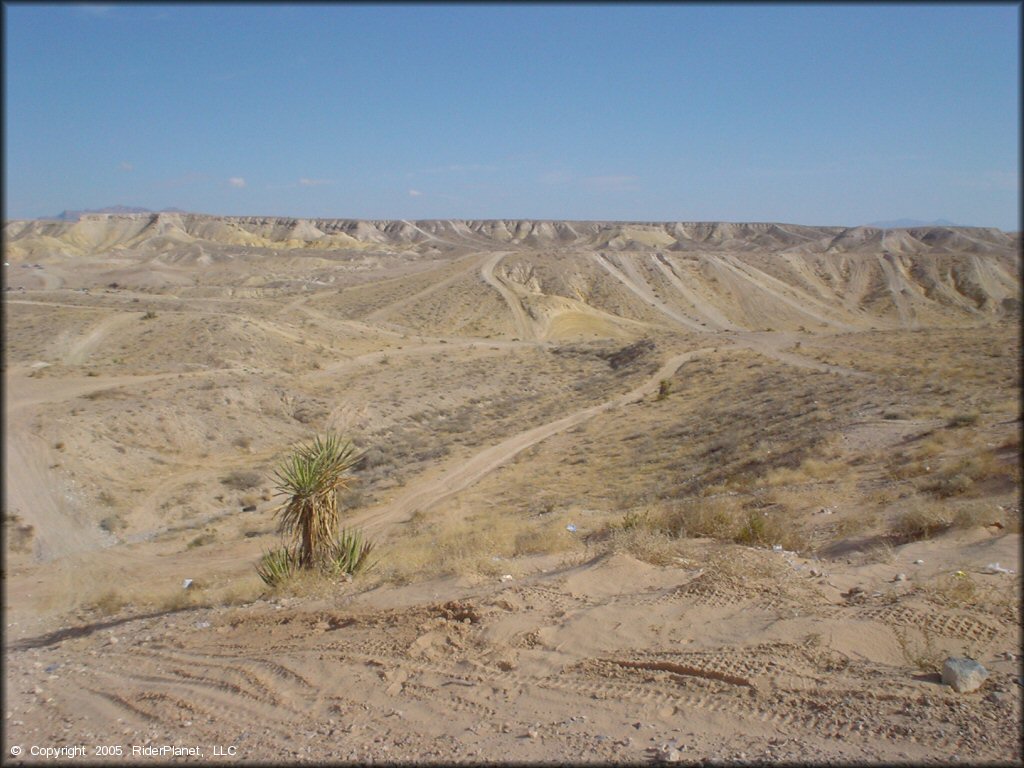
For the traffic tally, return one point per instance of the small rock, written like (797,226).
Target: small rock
(900,577)
(533,733)
(919,562)
(964,675)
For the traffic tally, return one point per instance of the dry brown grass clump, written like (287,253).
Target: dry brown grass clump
(486,544)
(923,517)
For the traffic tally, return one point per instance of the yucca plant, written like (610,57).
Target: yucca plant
(277,566)
(311,478)
(350,554)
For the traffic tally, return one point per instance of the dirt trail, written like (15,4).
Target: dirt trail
(30,487)
(647,295)
(371,358)
(87,344)
(383,312)
(523,325)
(777,289)
(897,284)
(31,492)
(768,344)
(467,472)
(714,318)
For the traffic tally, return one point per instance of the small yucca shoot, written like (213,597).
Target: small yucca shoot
(351,554)
(277,566)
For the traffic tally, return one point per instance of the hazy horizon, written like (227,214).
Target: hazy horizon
(813,115)
(129,210)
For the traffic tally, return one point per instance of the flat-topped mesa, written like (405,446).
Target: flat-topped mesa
(97,232)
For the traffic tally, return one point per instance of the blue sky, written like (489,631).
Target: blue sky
(830,115)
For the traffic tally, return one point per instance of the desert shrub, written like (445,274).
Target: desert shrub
(962,420)
(150,315)
(207,537)
(921,520)
(753,530)
(715,518)
(113,523)
(242,480)
(649,545)
(664,388)
(921,655)
(109,602)
(949,485)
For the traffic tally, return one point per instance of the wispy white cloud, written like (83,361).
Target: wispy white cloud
(237,182)
(126,167)
(414,193)
(314,182)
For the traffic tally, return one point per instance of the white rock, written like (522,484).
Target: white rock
(964,675)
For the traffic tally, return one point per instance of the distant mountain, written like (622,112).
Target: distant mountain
(907,223)
(76,215)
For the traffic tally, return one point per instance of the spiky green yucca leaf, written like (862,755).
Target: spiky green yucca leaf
(350,554)
(311,477)
(277,566)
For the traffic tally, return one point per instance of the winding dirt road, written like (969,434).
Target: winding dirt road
(523,325)
(461,474)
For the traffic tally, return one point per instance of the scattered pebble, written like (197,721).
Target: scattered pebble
(900,577)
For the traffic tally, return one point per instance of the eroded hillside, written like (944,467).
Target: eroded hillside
(641,468)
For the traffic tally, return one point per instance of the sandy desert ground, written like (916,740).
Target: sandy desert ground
(640,492)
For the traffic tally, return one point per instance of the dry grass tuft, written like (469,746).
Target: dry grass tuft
(923,655)
(646,544)
(921,520)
